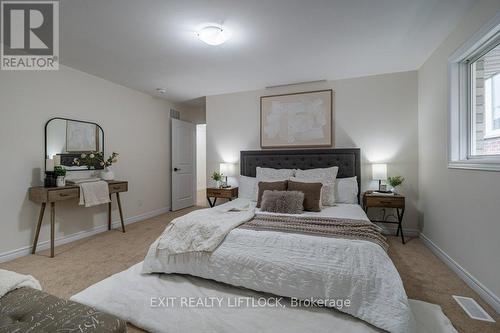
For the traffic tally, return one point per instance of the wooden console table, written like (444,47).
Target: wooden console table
(44,195)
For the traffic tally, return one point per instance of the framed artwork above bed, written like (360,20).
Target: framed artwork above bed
(297,120)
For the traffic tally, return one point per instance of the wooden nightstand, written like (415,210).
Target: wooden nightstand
(396,201)
(227,193)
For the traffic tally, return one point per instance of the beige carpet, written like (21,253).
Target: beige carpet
(80,264)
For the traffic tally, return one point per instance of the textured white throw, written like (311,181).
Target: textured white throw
(202,230)
(12,280)
(94,193)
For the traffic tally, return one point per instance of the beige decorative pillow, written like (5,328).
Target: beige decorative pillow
(269,174)
(326,176)
(312,194)
(285,202)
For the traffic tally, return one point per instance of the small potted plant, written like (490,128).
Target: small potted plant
(60,173)
(395,182)
(107,173)
(217,177)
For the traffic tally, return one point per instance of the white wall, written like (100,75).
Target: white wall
(460,208)
(193,111)
(376,113)
(201,157)
(136,126)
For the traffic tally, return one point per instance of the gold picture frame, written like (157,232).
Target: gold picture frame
(297,120)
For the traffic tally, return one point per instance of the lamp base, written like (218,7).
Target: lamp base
(225,184)
(380,190)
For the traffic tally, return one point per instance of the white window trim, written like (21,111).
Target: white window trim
(458,133)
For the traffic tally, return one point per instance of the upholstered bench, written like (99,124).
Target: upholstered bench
(30,310)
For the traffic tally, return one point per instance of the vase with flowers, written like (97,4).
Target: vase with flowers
(107,173)
(89,160)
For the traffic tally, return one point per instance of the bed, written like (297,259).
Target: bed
(296,266)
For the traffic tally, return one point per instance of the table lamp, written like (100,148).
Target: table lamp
(379,172)
(227,170)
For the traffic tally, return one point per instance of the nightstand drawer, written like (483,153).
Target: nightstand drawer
(389,202)
(120,187)
(222,192)
(59,195)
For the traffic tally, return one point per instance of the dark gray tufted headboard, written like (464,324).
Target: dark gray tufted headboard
(347,159)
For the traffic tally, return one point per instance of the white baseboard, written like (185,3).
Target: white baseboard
(26,250)
(487,295)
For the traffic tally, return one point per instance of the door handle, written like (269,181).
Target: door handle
(177,169)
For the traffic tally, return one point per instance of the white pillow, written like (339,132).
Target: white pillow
(247,188)
(268,174)
(346,190)
(325,176)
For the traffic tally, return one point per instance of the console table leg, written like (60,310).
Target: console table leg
(38,226)
(52,227)
(109,213)
(120,210)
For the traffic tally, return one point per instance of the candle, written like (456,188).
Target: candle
(49,164)
(57,160)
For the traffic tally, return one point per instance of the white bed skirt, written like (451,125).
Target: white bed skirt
(173,303)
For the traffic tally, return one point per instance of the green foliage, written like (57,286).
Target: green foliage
(109,162)
(217,176)
(94,159)
(59,171)
(89,160)
(395,181)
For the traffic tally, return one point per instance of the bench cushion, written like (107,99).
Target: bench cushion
(30,310)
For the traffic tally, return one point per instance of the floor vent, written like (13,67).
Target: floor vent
(474,310)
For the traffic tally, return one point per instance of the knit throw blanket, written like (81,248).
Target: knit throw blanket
(319,226)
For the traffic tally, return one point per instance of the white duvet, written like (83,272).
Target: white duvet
(304,267)
(136,298)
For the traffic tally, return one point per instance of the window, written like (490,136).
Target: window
(492,102)
(474,130)
(485,106)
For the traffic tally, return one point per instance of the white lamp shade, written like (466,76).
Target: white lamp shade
(379,171)
(227,169)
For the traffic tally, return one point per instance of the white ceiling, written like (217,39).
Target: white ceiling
(151,43)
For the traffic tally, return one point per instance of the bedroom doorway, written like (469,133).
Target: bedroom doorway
(201,165)
(183,168)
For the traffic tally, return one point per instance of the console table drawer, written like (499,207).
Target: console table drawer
(120,187)
(65,194)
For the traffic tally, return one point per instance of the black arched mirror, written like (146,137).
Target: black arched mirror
(67,139)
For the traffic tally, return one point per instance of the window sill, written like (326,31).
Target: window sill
(491,136)
(491,165)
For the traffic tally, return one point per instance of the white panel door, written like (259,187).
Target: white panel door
(183,164)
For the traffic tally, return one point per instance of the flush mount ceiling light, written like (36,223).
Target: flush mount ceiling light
(213,35)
